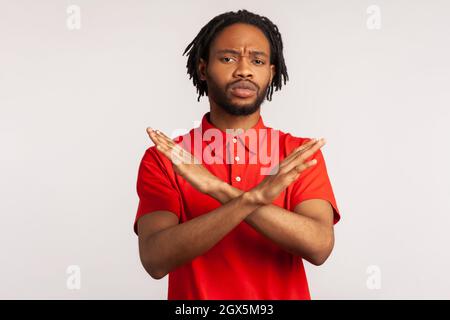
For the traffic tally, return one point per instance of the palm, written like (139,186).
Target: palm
(184,163)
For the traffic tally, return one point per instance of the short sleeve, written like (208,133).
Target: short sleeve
(155,187)
(314,183)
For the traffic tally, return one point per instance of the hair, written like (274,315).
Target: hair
(199,47)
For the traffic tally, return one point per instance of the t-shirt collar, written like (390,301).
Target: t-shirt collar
(206,124)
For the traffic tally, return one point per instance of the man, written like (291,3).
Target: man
(225,226)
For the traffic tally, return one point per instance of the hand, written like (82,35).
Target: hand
(288,171)
(184,163)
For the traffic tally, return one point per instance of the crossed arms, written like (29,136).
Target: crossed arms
(164,244)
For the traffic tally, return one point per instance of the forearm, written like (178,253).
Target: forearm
(297,234)
(179,244)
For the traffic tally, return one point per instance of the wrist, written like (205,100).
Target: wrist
(223,192)
(254,197)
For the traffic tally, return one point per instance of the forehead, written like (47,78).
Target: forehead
(241,36)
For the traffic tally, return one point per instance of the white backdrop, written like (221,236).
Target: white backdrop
(372,77)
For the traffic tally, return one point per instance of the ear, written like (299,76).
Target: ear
(202,69)
(272,72)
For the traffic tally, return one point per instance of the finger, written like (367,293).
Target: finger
(157,136)
(178,154)
(173,144)
(175,155)
(160,143)
(183,153)
(151,133)
(160,140)
(165,151)
(308,153)
(169,141)
(166,140)
(303,156)
(303,147)
(298,169)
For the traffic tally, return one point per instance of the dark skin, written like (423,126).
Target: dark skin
(165,244)
(250,61)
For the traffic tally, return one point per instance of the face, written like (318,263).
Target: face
(238,72)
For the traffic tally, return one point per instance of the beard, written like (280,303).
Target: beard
(221,98)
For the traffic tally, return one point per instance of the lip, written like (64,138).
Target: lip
(242,93)
(243,89)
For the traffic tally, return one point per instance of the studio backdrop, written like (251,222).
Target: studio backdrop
(81,80)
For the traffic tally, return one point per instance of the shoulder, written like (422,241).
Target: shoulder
(290,142)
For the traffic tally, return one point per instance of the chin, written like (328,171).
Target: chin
(242,102)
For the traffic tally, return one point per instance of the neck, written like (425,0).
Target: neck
(224,120)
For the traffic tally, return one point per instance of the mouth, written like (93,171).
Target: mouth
(242,92)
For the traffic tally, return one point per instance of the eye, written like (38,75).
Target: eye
(226,59)
(259,62)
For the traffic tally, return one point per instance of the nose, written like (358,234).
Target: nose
(243,69)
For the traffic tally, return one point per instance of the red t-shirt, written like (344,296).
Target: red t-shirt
(244,264)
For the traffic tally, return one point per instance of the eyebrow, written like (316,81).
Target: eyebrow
(252,52)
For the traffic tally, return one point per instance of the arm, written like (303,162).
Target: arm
(296,233)
(164,250)
(307,233)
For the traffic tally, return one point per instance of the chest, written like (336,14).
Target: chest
(242,177)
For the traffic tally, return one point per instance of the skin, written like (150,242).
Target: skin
(164,244)
(224,69)
(309,234)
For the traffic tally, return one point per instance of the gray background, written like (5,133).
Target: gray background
(74,105)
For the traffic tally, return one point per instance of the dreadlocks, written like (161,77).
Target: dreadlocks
(199,47)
